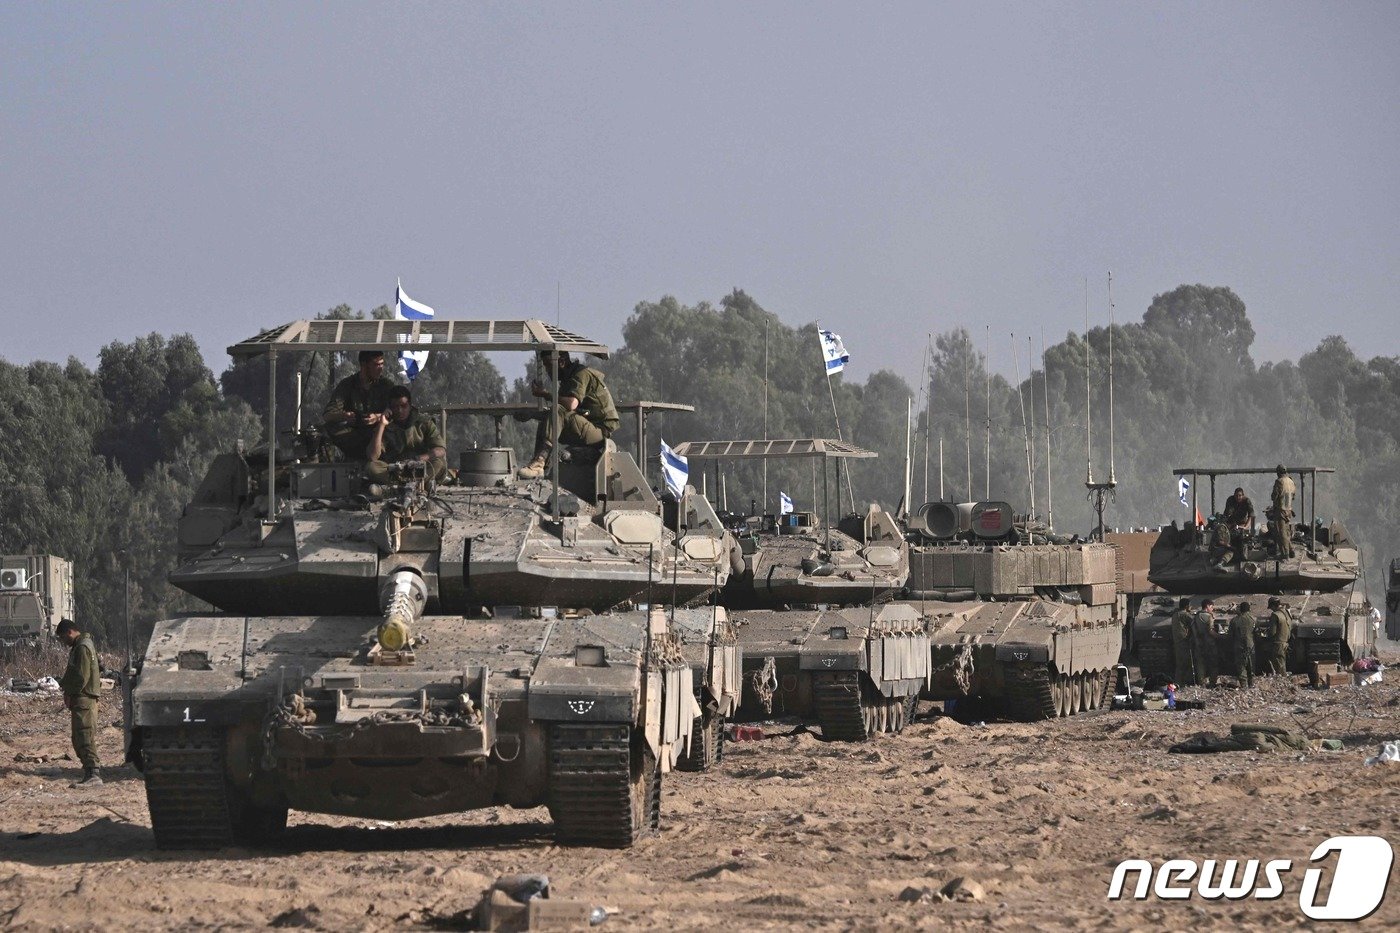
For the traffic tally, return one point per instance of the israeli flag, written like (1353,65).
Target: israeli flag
(784,503)
(1183,485)
(833,351)
(406,309)
(675,469)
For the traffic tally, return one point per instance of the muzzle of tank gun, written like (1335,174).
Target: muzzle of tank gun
(402,600)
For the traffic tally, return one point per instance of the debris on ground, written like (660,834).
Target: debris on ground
(1390,751)
(1248,737)
(522,902)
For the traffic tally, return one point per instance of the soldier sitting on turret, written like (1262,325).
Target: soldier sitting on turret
(1239,516)
(1221,551)
(357,404)
(404,433)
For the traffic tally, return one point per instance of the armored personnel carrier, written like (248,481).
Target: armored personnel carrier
(1316,583)
(853,671)
(1027,627)
(797,558)
(428,650)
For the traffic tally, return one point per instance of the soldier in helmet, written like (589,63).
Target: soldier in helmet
(1242,635)
(584,416)
(82,688)
(1281,512)
(1181,643)
(1239,518)
(1280,631)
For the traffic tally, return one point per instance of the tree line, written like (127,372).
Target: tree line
(101,461)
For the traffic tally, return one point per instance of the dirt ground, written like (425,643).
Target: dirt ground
(790,831)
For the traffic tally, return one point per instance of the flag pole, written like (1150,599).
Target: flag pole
(836,415)
(765,411)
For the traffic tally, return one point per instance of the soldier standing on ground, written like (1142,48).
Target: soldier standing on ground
(1203,645)
(1282,627)
(584,416)
(1242,634)
(1281,521)
(82,688)
(1181,643)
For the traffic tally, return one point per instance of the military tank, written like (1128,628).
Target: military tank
(853,671)
(1021,623)
(428,650)
(1317,584)
(801,592)
(797,558)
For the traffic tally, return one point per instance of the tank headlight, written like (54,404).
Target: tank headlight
(393,636)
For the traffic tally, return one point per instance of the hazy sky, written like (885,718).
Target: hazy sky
(888,169)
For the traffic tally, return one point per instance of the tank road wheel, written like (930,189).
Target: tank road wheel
(845,709)
(1081,692)
(706,734)
(185,788)
(1060,700)
(897,715)
(882,715)
(604,789)
(1093,683)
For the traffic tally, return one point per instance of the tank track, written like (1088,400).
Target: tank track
(185,788)
(1030,694)
(1324,651)
(706,743)
(1029,697)
(598,794)
(841,708)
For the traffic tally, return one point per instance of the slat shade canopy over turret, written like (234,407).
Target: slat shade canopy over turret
(440,335)
(824,448)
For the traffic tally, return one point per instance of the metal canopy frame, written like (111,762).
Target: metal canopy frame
(816,448)
(1303,473)
(531,335)
(499,411)
(824,448)
(443,335)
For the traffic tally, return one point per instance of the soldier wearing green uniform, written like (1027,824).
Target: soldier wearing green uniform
(1181,644)
(403,434)
(1242,634)
(1203,645)
(1281,512)
(584,416)
(357,404)
(1281,630)
(82,688)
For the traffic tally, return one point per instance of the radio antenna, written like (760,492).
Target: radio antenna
(1112,476)
(1088,410)
(967,426)
(1025,431)
(1045,391)
(987,378)
(1030,437)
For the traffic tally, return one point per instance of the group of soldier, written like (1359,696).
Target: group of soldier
(371,418)
(1200,642)
(1236,520)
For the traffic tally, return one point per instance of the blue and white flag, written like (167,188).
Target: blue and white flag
(675,469)
(1183,485)
(784,503)
(833,351)
(406,309)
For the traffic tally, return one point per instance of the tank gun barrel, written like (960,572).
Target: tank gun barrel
(402,600)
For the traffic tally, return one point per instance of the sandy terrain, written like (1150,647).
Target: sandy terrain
(790,832)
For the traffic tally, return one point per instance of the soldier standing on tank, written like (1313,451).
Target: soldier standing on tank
(1281,627)
(82,688)
(1203,650)
(1281,519)
(357,404)
(1181,643)
(1242,635)
(584,416)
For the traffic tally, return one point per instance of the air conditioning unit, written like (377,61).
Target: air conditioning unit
(14,579)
